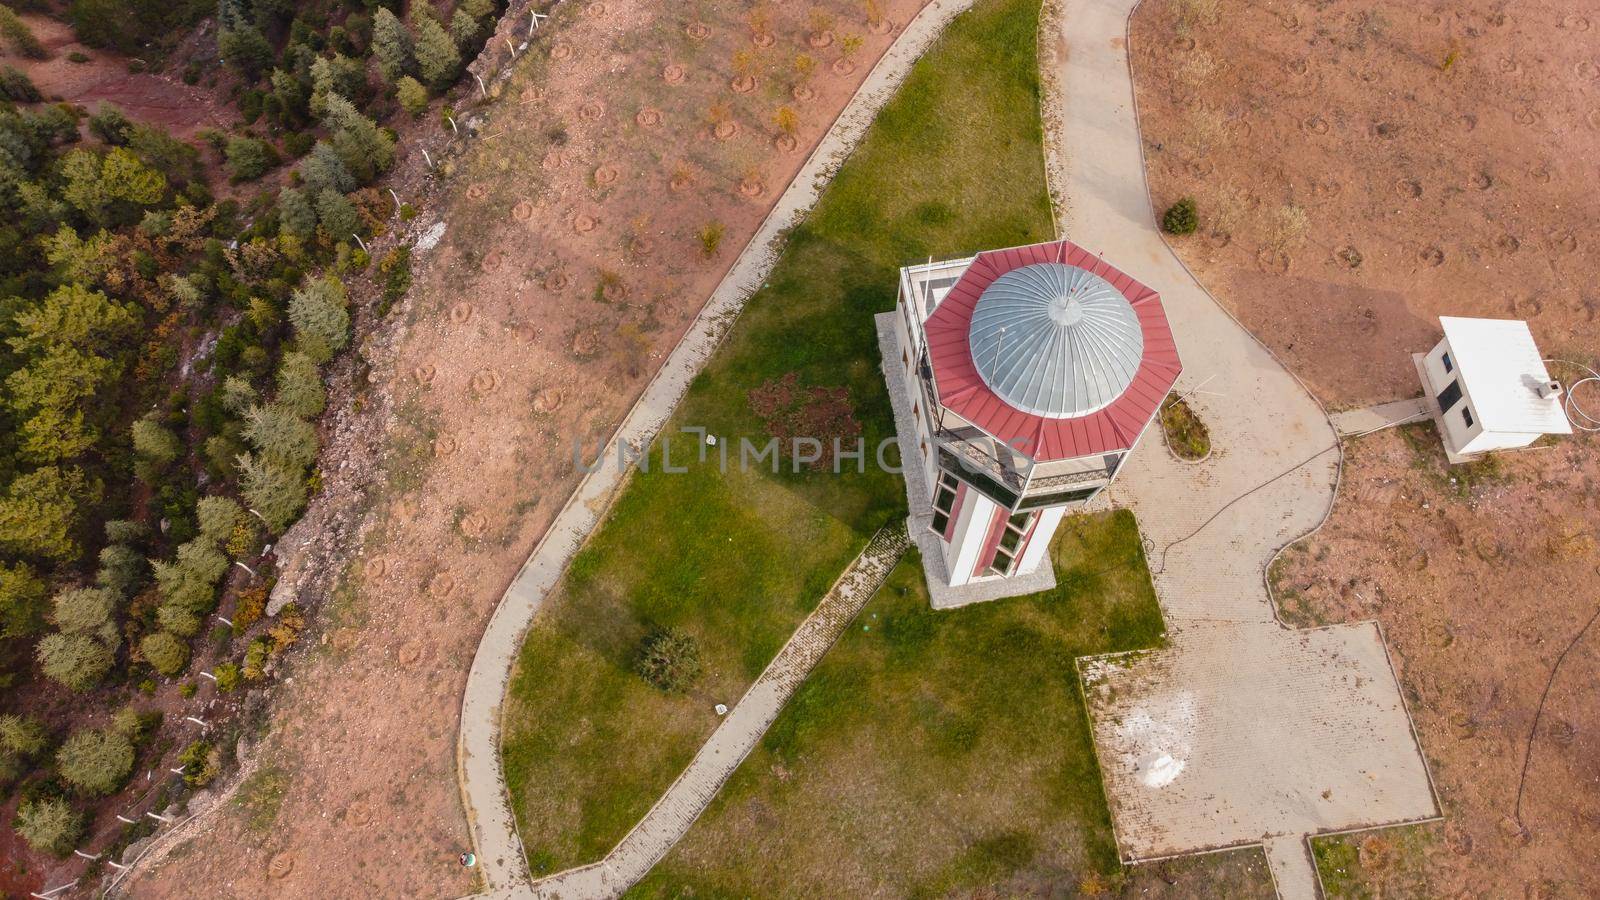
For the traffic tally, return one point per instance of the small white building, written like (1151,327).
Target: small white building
(1489,388)
(1021,379)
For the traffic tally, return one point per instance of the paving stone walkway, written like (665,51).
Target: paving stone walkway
(682,804)
(1240,731)
(483,787)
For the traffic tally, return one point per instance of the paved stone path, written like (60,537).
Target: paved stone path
(483,788)
(1241,731)
(681,805)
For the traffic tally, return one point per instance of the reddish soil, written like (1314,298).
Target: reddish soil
(572,262)
(1426,190)
(1443,157)
(158,99)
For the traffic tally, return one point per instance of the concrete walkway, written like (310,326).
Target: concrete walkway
(667,822)
(1241,731)
(483,788)
(1357,422)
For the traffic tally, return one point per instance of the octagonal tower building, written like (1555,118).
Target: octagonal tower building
(1021,379)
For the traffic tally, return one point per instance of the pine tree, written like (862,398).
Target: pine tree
(464,29)
(438,60)
(478,9)
(338,217)
(121,569)
(300,385)
(39,512)
(95,762)
(322,170)
(296,215)
(49,824)
(218,516)
(319,310)
(339,75)
(275,492)
(75,660)
(363,147)
(391,44)
(88,611)
(280,437)
(156,447)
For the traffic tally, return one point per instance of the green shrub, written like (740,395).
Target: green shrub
(20,36)
(395,267)
(165,652)
(22,600)
(78,56)
(200,763)
(17,87)
(134,725)
(407,212)
(95,762)
(249,158)
(75,660)
(227,675)
(1181,217)
(669,659)
(255,659)
(49,825)
(412,95)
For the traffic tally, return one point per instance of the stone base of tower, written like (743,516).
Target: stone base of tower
(943,596)
(919,498)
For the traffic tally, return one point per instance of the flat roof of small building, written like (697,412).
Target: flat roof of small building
(1501,371)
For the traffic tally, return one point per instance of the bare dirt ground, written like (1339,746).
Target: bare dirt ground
(163,100)
(573,258)
(1352,187)
(1360,169)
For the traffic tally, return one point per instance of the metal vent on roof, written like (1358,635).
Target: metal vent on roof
(1055,340)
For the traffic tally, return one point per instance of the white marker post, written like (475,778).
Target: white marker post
(452,121)
(397,203)
(511,48)
(159,817)
(208,675)
(359,242)
(482,91)
(200,722)
(535,22)
(246,568)
(426,156)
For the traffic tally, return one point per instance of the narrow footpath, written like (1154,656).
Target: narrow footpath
(483,787)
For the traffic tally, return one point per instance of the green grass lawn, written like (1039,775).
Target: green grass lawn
(934,752)
(1385,863)
(953,165)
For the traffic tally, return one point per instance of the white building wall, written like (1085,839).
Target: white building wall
(972,527)
(1039,543)
(1460,436)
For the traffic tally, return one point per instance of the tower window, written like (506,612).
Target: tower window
(1011,543)
(944,502)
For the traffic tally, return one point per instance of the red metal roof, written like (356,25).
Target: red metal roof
(963,392)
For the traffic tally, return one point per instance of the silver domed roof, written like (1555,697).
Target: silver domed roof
(1055,340)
